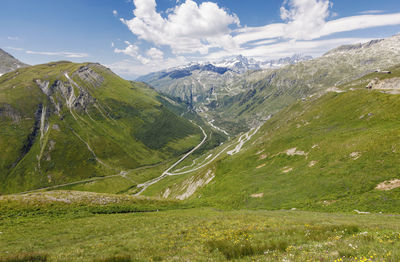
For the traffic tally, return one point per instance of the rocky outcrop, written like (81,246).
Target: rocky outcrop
(67,93)
(9,112)
(88,75)
(30,140)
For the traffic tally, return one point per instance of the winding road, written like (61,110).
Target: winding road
(166,173)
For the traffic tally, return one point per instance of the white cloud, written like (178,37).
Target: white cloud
(288,48)
(358,22)
(188,27)
(64,54)
(15,48)
(155,53)
(263,42)
(308,20)
(369,12)
(134,68)
(112,44)
(132,51)
(13,38)
(208,31)
(304,17)
(115,12)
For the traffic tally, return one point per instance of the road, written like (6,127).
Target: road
(166,173)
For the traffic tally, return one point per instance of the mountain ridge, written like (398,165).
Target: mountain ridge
(9,63)
(65,122)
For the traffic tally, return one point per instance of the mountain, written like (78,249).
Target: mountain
(204,84)
(8,63)
(239,64)
(235,102)
(278,63)
(192,84)
(62,122)
(338,150)
(267,92)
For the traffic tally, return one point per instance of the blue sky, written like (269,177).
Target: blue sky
(141,36)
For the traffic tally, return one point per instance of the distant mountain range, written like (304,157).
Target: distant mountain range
(243,92)
(242,64)
(199,83)
(8,63)
(239,64)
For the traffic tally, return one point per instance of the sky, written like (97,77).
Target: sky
(136,37)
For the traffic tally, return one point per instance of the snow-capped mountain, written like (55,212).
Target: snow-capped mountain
(239,64)
(201,82)
(277,63)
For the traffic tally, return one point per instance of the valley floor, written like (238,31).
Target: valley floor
(201,234)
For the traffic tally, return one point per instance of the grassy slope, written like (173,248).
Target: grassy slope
(270,91)
(352,139)
(99,227)
(121,133)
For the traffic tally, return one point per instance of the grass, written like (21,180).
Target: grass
(126,127)
(25,257)
(345,145)
(328,130)
(67,233)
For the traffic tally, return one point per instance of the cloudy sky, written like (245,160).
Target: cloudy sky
(135,37)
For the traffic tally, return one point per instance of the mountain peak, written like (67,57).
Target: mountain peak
(346,48)
(9,63)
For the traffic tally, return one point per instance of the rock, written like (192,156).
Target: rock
(89,76)
(355,155)
(8,111)
(388,185)
(259,195)
(55,127)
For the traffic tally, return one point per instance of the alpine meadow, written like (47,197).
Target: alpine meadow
(199,130)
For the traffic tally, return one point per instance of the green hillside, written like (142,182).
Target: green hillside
(269,91)
(327,152)
(62,122)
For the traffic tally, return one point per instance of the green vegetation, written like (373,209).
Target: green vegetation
(269,91)
(328,152)
(319,181)
(62,231)
(56,130)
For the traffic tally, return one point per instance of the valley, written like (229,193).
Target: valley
(292,159)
